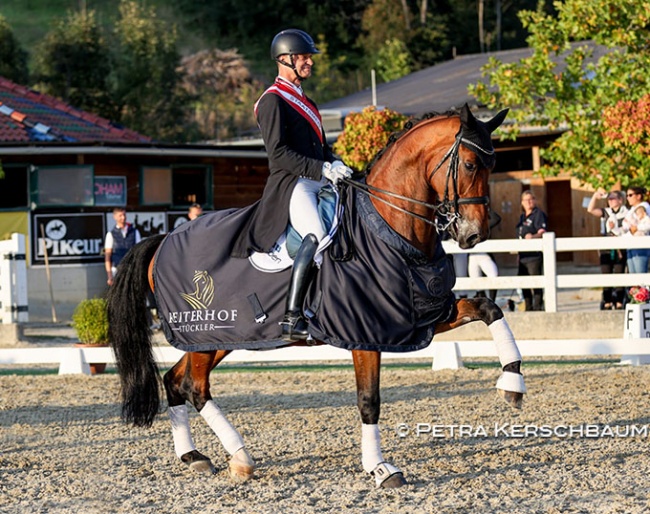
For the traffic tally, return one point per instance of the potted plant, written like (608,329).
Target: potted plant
(90,321)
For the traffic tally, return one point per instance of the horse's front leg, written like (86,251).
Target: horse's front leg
(189,381)
(511,382)
(366,370)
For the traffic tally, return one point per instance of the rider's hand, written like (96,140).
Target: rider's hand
(336,171)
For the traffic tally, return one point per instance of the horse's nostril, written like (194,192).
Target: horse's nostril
(473,240)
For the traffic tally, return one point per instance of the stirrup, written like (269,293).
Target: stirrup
(294,328)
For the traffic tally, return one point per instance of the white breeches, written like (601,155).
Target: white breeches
(481,262)
(303,208)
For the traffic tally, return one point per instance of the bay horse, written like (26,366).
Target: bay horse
(430,179)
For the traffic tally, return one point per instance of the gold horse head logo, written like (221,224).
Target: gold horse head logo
(203,293)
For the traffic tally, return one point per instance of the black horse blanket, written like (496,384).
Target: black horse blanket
(374,291)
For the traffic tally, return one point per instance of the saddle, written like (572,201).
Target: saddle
(283,252)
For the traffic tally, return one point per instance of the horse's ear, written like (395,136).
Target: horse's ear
(467,119)
(495,122)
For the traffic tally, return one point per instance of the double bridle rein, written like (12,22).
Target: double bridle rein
(445,211)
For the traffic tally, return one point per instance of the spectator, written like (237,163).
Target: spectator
(532,224)
(194,211)
(611,261)
(643,221)
(118,242)
(637,259)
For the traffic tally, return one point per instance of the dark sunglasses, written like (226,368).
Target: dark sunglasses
(632,194)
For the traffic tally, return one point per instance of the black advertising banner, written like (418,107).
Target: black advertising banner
(110,191)
(69,238)
(176,218)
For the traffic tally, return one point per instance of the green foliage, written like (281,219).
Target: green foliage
(365,133)
(564,87)
(73,63)
(328,82)
(146,82)
(90,321)
(393,60)
(13,59)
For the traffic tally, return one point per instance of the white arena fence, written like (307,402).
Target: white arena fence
(444,354)
(550,281)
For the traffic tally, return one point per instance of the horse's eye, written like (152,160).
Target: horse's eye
(470,166)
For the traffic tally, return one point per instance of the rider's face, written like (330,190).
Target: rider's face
(303,63)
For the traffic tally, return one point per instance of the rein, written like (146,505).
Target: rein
(446,209)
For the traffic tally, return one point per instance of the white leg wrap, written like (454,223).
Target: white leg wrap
(371,455)
(183,442)
(505,342)
(509,381)
(229,437)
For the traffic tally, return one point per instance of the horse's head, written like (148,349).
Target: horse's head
(463,188)
(433,177)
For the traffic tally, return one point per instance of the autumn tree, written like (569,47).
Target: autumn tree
(587,76)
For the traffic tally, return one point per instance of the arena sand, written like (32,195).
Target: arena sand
(65,450)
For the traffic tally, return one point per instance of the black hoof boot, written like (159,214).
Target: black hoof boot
(294,327)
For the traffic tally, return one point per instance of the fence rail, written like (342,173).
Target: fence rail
(550,281)
(634,350)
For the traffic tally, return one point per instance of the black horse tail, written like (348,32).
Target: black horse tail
(130,334)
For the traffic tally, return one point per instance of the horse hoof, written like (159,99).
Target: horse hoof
(393,482)
(241,466)
(513,399)
(199,463)
(388,476)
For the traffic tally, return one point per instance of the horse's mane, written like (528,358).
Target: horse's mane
(409,125)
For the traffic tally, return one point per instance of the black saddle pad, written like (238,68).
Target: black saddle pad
(383,295)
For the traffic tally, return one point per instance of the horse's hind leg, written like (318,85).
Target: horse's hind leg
(188,381)
(511,383)
(366,370)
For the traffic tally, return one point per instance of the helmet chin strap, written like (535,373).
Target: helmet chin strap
(293,67)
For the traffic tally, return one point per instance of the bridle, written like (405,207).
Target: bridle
(446,211)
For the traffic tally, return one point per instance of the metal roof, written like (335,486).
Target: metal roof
(438,88)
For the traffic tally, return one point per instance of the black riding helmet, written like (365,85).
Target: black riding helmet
(291,42)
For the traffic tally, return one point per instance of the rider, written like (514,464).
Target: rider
(299,162)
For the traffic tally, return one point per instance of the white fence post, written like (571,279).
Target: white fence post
(13,280)
(550,271)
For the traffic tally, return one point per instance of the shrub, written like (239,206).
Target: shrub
(90,321)
(365,133)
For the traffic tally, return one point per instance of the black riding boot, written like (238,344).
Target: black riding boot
(294,325)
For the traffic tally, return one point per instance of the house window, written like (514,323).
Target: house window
(14,187)
(192,184)
(178,186)
(156,183)
(54,186)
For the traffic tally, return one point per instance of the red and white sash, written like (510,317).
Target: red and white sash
(299,102)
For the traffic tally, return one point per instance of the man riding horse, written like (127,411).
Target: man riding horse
(299,162)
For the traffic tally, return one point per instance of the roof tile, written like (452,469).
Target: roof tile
(27,115)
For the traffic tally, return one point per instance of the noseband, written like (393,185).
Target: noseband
(446,211)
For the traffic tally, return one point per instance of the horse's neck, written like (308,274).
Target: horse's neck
(400,175)
(402,170)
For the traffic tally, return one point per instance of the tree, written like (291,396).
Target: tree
(393,60)
(562,85)
(146,82)
(224,92)
(73,63)
(13,59)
